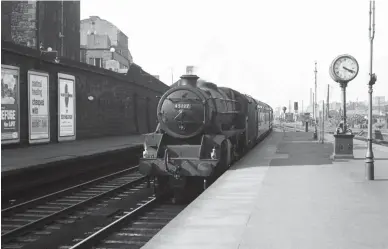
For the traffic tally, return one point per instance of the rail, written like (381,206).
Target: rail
(383,142)
(133,229)
(97,236)
(64,201)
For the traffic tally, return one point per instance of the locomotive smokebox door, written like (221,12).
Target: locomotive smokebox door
(182,110)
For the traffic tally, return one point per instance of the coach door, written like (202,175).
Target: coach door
(258,119)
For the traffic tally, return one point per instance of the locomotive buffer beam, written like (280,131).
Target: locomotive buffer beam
(175,170)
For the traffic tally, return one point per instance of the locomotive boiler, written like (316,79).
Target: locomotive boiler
(201,130)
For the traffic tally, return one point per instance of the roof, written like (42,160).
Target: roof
(97,17)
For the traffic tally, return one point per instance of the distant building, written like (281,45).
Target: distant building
(104,45)
(335,106)
(379,100)
(278,111)
(190,69)
(310,108)
(55,24)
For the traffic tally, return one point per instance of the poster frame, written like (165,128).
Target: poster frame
(17,69)
(73,137)
(44,74)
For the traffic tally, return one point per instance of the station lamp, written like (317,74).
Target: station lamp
(112,50)
(49,50)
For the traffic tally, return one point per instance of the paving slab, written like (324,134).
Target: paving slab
(288,193)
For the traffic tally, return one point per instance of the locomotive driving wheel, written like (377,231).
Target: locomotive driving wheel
(229,154)
(242,148)
(160,185)
(225,159)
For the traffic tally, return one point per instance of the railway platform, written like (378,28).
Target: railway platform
(16,160)
(288,193)
(35,166)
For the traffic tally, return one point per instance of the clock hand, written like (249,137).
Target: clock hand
(350,70)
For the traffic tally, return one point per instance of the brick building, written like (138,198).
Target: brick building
(55,24)
(98,37)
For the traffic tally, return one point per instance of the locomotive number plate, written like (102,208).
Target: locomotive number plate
(182,106)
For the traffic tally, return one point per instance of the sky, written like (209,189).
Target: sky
(266,49)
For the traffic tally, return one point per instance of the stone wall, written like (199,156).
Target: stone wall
(29,23)
(19,22)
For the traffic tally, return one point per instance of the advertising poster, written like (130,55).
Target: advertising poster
(10,108)
(66,107)
(39,108)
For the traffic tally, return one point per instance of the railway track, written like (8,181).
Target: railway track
(23,223)
(132,229)
(35,182)
(362,138)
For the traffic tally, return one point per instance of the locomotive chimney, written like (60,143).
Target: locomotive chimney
(189,80)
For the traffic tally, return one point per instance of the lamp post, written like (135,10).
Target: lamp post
(369,158)
(112,50)
(315,103)
(61,36)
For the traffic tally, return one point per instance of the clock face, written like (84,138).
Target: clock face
(345,68)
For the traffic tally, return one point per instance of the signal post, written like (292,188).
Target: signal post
(295,113)
(284,121)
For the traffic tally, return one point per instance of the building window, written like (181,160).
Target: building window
(123,66)
(98,62)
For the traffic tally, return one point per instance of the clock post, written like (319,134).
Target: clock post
(343,69)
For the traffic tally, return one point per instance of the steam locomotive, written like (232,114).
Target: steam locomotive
(202,129)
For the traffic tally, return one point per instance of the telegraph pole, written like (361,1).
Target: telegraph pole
(313,109)
(369,157)
(289,106)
